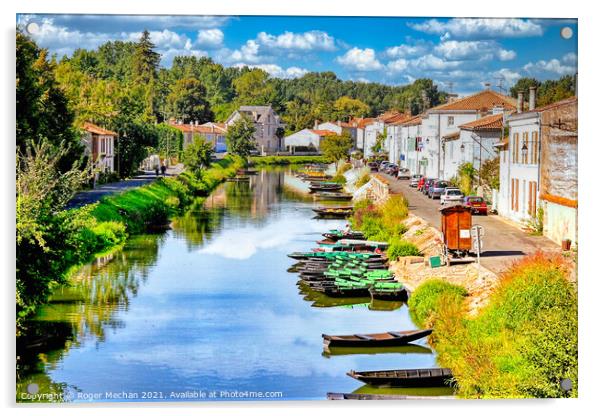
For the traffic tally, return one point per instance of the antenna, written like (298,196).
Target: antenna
(450,86)
(487,85)
(500,84)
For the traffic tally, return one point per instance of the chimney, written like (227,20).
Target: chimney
(196,122)
(532,93)
(519,102)
(316,124)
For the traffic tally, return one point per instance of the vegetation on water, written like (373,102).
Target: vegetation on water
(284,160)
(522,344)
(385,223)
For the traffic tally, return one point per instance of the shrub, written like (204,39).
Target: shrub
(425,303)
(401,248)
(364,179)
(338,178)
(344,167)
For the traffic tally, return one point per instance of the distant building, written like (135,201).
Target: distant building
(214,133)
(100,146)
(306,140)
(411,145)
(359,125)
(266,122)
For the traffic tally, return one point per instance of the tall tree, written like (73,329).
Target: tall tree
(346,107)
(43,110)
(239,139)
(198,154)
(187,101)
(254,87)
(146,60)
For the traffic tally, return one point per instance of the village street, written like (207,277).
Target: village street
(503,242)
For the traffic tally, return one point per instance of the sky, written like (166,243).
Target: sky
(460,54)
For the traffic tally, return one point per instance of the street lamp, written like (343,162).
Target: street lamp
(524,151)
(462,147)
(427,140)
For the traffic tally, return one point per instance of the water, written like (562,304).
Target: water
(208,311)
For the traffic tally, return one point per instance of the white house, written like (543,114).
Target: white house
(444,121)
(475,143)
(330,125)
(266,122)
(393,141)
(214,133)
(411,145)
(306,140)
(360,125)
(378,127)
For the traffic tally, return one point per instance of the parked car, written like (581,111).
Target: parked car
(415,180)
(477,204)
(427,185)
(404,173)
(391,169)
(373,166)
(382,165)
(436,189)
(451,195)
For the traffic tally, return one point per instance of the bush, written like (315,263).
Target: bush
(362,180)
(522,344)
(338,178)
(401,248)
(344,167)
(425,302)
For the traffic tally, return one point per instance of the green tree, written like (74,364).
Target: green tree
(490,173)
(378,145)
(335,147)
(523,84)
(239,139)
(146,60)
(254,87)
(347,107)
(198,154)
(187,101)
(43,110)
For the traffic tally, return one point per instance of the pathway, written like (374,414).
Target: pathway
(503,242)
(93,195)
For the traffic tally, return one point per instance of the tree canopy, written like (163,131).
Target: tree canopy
(239,139)
(187,101)
(335,147)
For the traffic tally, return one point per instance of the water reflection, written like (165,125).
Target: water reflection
(209,305)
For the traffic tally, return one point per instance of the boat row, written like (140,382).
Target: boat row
(333,212)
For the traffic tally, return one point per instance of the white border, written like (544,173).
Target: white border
(590,150)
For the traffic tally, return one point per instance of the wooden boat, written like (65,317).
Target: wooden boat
(339,196)
(325,186)
(337,235)
(384,339)
(389,291)
(337,212)
(421,377)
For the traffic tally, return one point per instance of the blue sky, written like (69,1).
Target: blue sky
(467,52)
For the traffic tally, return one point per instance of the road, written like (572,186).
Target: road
(93,195)
(503,242)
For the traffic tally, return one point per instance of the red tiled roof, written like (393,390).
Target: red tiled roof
(566,101)
(94,129)
(493,122)
(202,129)
(414,121)
(363,122)
(324,132)
(481,101)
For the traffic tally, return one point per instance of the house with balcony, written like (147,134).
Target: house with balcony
(99,145)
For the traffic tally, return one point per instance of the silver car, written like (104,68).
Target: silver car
(451,195)
(414,180)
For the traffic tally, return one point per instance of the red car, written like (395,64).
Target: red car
(477,204)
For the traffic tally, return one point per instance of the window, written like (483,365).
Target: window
(532,198)
(102,145)
(515,148)
(450,121)
(514,195)
(535,148)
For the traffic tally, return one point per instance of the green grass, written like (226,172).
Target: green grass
(285,160)
(522,344)
(381,223)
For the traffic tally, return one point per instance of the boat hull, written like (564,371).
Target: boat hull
(427,377)
(408,337)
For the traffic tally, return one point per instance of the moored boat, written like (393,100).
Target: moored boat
(334,212)
(338,196)
(420,377)
(384,339)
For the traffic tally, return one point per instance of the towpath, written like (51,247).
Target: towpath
(93,195)
(503,243)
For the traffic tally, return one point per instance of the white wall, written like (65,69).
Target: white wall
(331,127)
(370,133)
(304,138)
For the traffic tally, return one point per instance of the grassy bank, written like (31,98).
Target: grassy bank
(285,160)
(385,223)
(74,237)
(521,345)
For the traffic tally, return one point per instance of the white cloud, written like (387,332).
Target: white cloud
(360,60)
(277,71)
(510,77)
(398,65)
(566,66)
(431,61)
(211,38)
(467,50)
(404,51)
(248,53)
(472,27)
(311,40)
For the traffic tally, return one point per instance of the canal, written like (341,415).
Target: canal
(208,311)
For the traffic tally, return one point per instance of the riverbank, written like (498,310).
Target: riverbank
(74,237)
(506,335)
(285,160)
